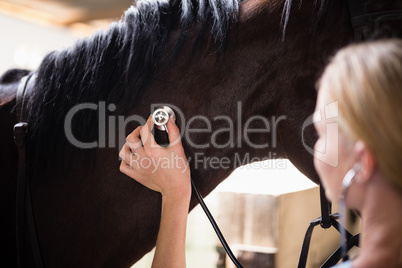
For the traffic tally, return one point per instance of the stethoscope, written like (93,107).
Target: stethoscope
(160,118)
(346,182)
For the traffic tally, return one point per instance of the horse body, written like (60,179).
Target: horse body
(89,214)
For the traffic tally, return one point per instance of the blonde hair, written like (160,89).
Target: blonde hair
(366,79)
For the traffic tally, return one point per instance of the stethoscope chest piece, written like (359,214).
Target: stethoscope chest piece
(161,116)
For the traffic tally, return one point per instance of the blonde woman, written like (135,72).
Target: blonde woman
(365,84)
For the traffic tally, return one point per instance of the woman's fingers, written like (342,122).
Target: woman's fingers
(144,155)
(146,136)
(173,131)
(133,145)
(130,156)
(126,169)
(125,151)
(134,138)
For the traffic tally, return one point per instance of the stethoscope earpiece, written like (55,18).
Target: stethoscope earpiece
(346,182)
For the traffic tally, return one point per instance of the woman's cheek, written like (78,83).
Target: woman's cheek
(322,168)
(317,161)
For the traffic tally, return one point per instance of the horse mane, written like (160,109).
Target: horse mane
(114,65)
(320,6)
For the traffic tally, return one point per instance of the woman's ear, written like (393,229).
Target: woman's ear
(365,162)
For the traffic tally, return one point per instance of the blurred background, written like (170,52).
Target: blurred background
(263,209)
(32,28)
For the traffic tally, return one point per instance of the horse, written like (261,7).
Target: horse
(240,76)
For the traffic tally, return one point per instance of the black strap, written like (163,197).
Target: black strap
(336,256)
(24,89)
(216,227)
(24,211)
(326,221)
(326,208)
(365,23)
(20,131)
(306,242)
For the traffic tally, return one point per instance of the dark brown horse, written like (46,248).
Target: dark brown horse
(228,68)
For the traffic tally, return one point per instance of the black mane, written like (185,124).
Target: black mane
(115,65)
(320,6)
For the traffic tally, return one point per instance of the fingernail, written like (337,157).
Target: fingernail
(173,118)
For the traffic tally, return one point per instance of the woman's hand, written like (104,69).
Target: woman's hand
(164,170)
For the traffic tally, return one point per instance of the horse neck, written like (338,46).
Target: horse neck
(259,75)
(259,69)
